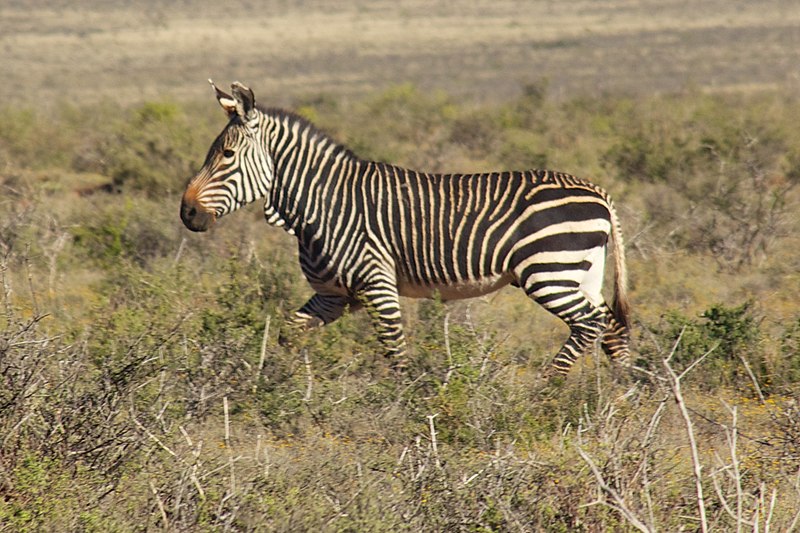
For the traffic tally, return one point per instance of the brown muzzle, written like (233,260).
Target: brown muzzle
(194,215)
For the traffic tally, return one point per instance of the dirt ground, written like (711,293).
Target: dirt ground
(481,50)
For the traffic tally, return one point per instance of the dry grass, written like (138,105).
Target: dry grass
(483,50)
(137,390)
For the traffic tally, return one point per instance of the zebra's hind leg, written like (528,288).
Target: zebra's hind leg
(571,290)
(586,321)
(586,324)
(615,340)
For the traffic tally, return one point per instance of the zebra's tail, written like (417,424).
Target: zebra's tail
(620,306)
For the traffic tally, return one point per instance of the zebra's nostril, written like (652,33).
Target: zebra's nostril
(192,212)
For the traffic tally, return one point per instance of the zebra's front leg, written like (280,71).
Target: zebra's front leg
(382,302)
(319,310)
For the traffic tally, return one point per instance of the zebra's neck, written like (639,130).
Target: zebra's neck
(308,163)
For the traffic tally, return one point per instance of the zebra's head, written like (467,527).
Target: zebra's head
(238,168)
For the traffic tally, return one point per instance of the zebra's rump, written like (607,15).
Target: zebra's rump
(457,290)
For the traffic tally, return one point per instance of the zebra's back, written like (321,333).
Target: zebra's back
(462,235)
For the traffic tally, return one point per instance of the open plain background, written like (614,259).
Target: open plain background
(134,51)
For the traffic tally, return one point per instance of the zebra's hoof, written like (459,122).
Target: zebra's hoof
(555,374)
(286,341)
(399,367)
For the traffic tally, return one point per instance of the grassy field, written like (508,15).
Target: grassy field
(142,387)
(85,50)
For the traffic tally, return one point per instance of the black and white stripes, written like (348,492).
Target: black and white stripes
(371,232)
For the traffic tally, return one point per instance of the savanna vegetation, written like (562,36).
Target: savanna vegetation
(142,387)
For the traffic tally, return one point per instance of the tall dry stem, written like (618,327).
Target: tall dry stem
(675,385)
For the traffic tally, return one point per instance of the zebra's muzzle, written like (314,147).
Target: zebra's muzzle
(194,216)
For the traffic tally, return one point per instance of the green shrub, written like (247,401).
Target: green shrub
(154,150)
(31,139)
(730,335)
(128,229)
(726,177)
(788,367)
(404,126)
(30,505)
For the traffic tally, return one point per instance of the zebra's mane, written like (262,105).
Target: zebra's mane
(305,125)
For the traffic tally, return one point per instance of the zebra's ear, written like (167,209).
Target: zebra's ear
(225,100)
(245,100)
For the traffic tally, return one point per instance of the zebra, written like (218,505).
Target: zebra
(370,232)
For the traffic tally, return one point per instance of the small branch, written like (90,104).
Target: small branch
(768,519)
(450,366)
(643,466)
(675,384)
(213,471)
(196,481)
(619,503)
(179,252)
(6,289)
(403,392)
(185,435)
(227,421)
(434,446)
(796,519)
(149,434)
(697,361)
(263,357)
(309,376)
(724,501)
(231,463)
(753,379)
(160,505)
(732,441)
(29,271)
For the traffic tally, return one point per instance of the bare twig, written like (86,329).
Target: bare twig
(644,466)
(196,482)
(450,366)
(768,519)
(675,384)
(732,434)
(29,271)
(149,434)
(160,505)
(402,393)
(231,463)
(796,519)
(6,289)
(619,504)
(213,471)
(753,379)
(434,446)
(179,252)
(185,435)
(309,376)
(263,357)
(227,421)
(724,501)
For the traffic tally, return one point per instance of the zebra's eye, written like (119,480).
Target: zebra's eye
(227,153)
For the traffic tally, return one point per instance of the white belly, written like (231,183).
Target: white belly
(457,291)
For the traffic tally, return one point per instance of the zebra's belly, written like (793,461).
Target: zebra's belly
(455,291)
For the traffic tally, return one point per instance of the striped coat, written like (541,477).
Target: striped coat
(369,232)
